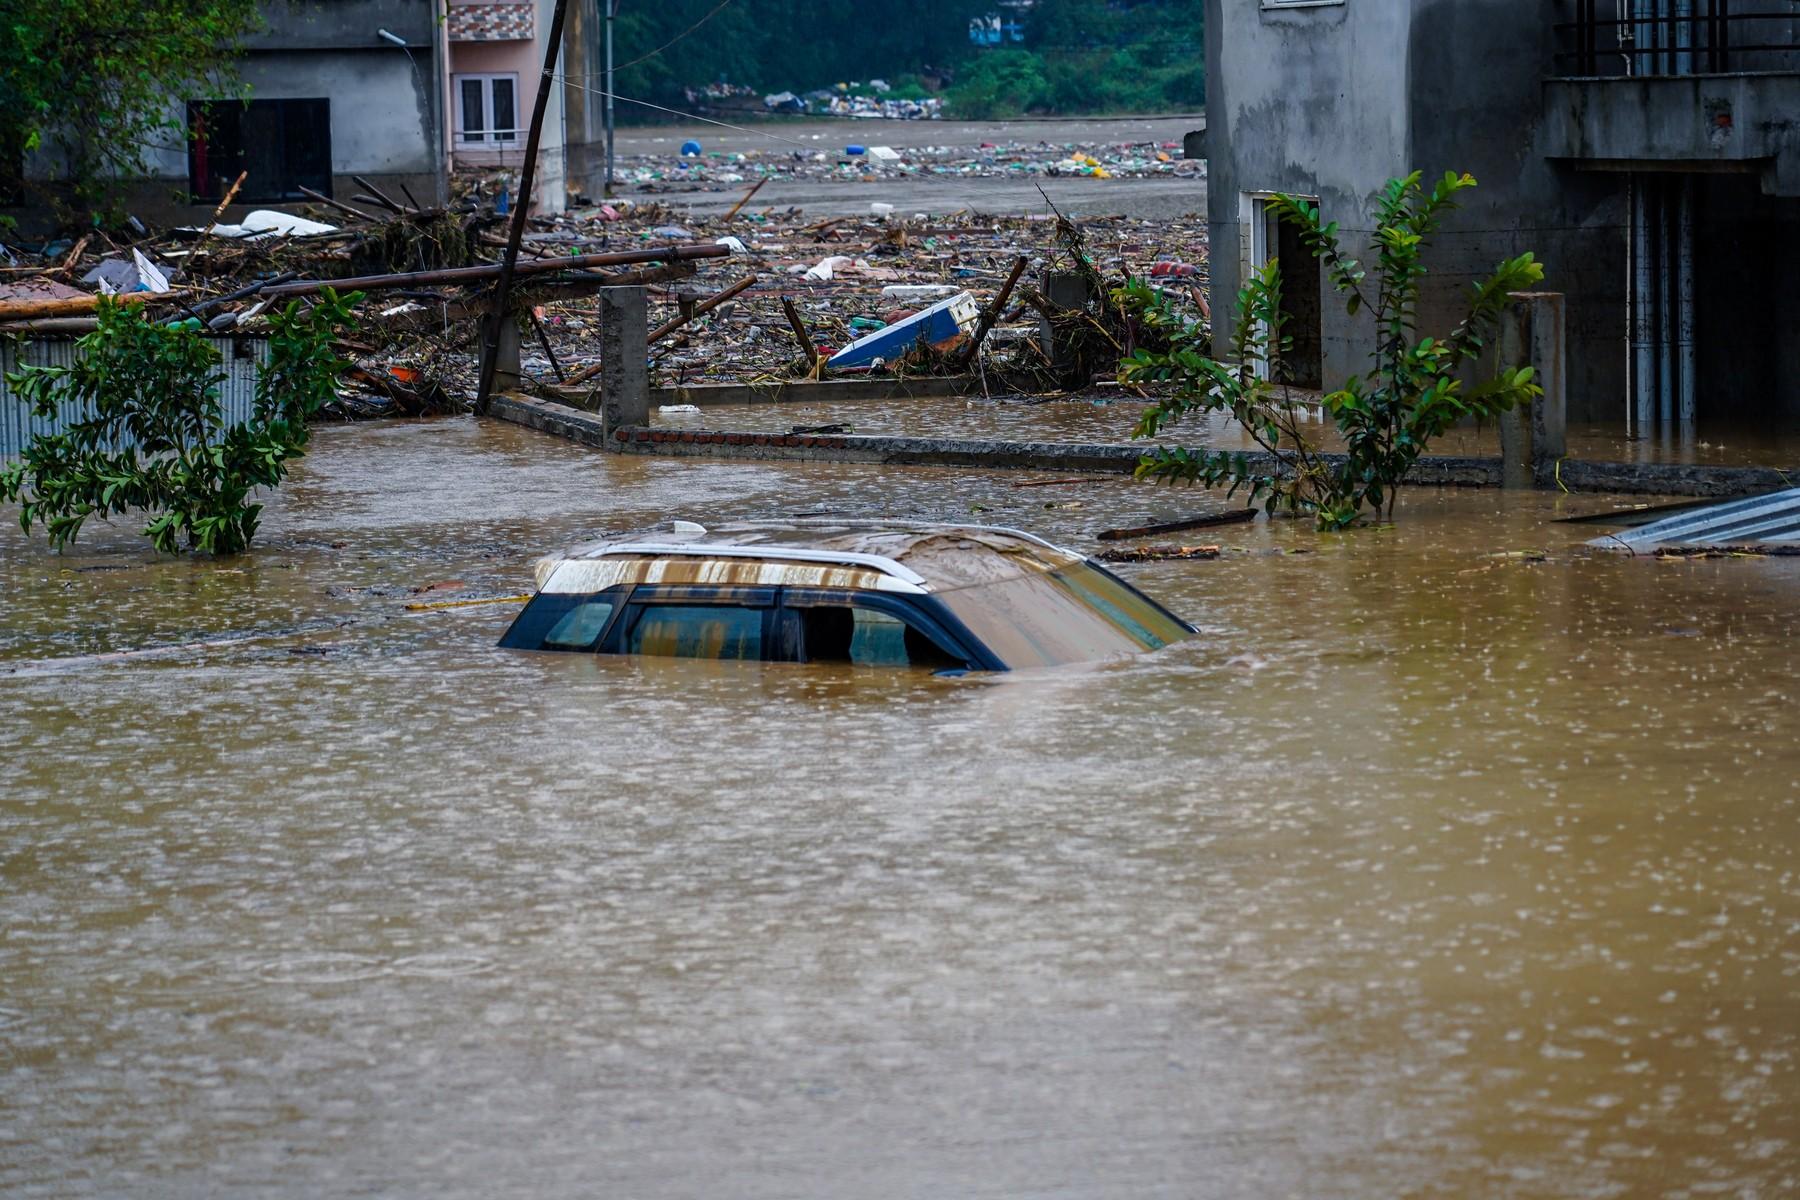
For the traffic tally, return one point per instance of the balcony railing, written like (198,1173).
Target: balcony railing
(1679,37)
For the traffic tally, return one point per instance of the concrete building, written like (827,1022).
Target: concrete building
(337,88)
(1647,150)
(496,57)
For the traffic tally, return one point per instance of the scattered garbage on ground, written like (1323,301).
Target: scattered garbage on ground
(896,291)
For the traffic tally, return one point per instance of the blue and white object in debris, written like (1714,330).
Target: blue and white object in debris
(943,322)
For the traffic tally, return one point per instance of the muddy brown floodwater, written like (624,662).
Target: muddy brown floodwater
(1421,872)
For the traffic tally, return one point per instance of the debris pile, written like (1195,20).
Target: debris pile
(845,160)
(747,297)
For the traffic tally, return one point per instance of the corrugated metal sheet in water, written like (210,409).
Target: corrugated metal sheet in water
(1771,519)
(240,359)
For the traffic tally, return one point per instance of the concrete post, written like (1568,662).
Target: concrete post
(507,371)
(1533,439)
(624,370)
(1064,290)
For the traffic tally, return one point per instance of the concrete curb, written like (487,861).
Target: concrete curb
(586,428)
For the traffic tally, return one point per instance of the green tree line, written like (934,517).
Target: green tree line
(1078,57)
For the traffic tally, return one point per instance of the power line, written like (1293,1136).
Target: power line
(570,80)
(690,29)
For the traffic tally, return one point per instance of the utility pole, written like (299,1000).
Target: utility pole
(612,11)
(490,343)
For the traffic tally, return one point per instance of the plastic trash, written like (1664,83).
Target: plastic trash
(690,149)
(823,270)
(1172,270)
(855,151)
(911,292)
(733,244)
(679,408)
(671,231)
(149,278)
(880,209)
(884,153)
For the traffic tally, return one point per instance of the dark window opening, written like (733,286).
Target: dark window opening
(1302,304)
(865,638)
(283,145)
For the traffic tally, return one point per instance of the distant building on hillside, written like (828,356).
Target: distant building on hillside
(1647,150)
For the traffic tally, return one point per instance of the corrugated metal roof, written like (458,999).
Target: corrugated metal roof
(241,360)
(1768,520)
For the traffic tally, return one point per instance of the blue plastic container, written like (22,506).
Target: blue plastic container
(690,149)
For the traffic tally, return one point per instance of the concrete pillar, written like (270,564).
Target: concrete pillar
(507,371)
(1533,438)
(1064,290)
(624,369)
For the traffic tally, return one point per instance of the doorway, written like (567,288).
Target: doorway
(1269,237)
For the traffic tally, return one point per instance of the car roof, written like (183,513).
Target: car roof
(895,557)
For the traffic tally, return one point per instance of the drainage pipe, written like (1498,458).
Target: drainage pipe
(1684,297)
(1643,278)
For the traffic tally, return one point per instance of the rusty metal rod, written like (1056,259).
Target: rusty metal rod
(490,337)
(993,312)
(701,309)
(537,266)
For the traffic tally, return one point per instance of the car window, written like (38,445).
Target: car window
(865,637)
(1129,609)
(1032,621)
(580,627)
(698,631)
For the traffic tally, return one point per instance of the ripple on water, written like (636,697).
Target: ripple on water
(442,966)
(322,968)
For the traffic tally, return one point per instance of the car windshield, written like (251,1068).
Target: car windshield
(1073,614)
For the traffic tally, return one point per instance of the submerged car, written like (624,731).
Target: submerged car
(947,597)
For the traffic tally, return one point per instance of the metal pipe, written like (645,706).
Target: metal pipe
(1684,37)
(1665,303)
(1643,361)
(536,266)
(1684,298)
(612,12)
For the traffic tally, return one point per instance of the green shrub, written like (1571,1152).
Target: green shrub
(151,435)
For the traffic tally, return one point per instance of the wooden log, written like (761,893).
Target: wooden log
(1235,516)
(754,188)
(992,312)
(322,198)
(377,196)
(230,195)
(75,306)
(800,333)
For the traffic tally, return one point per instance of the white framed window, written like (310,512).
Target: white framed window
(487,111)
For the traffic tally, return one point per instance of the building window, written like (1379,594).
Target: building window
(487,111)
(1300,3)
(280,145)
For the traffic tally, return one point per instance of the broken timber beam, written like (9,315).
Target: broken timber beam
(539,266)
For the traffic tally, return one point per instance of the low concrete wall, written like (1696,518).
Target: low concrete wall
(1656,479)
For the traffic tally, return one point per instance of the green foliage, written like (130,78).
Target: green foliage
(94,78)
(151,438)
(1000,84)
(1414,390)
(1079,56)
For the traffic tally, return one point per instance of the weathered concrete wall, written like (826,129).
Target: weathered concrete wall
(1304,100)
(1707,122)
(987,454)
(343,24)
